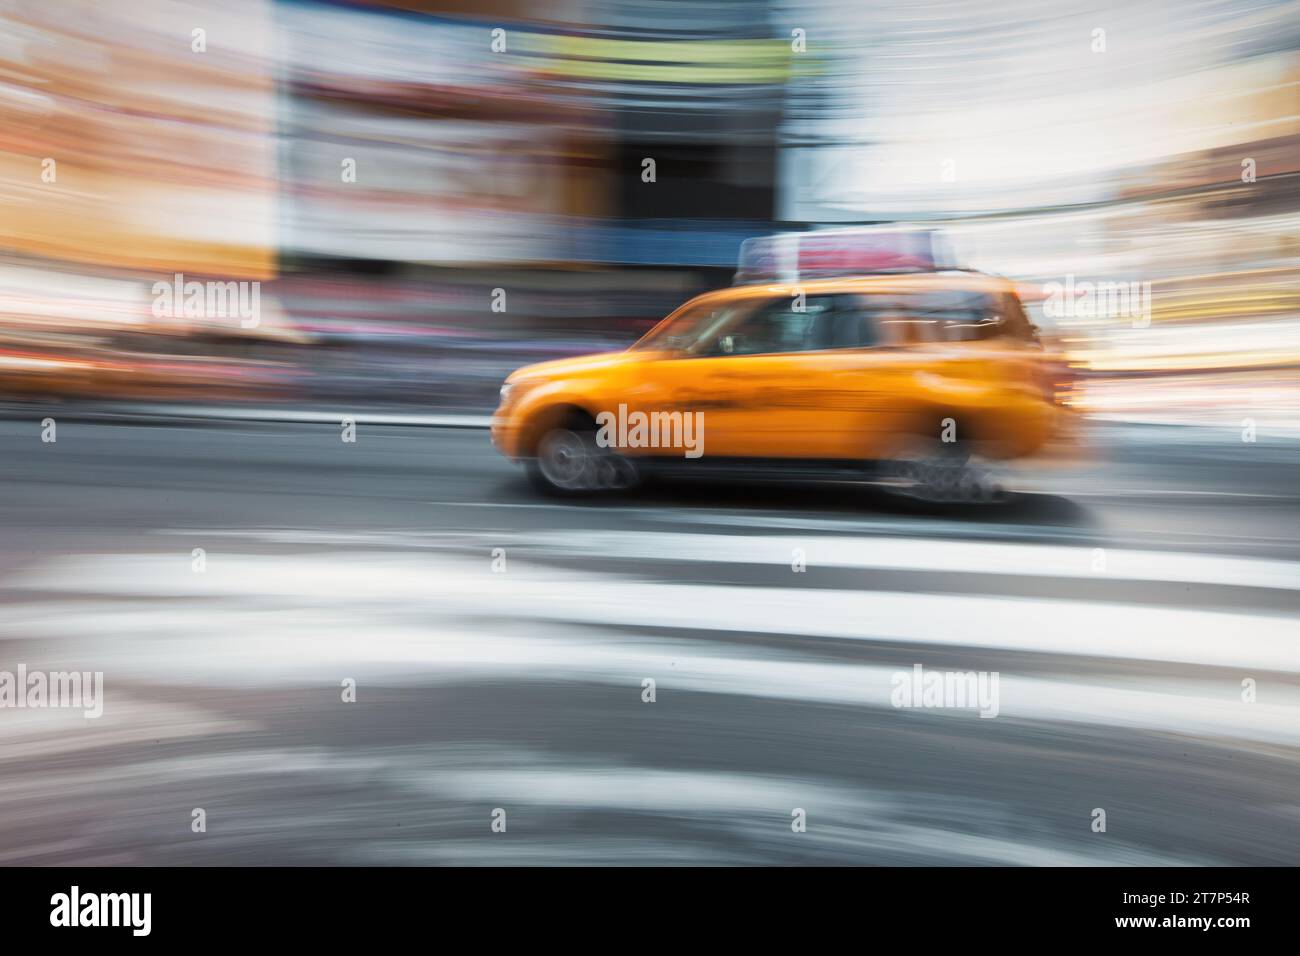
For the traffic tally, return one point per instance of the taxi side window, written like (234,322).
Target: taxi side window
(951,316)
(970,317)
(782,325)
(857,323)
(957,316)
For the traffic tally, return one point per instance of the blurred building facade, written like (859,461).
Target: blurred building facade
(432,192)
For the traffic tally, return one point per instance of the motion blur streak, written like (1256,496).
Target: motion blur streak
(522,689)
(382,168)
(229,228)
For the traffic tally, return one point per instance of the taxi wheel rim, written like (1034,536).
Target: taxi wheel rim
(565,460)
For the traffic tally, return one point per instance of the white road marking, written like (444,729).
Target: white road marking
(920,554)
(383,583)
(429,618)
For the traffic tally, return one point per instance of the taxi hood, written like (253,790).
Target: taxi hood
(578,365)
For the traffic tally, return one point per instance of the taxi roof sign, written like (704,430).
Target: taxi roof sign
(794,256)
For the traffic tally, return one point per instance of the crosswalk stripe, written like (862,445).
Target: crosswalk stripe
(448,585)
(920,554)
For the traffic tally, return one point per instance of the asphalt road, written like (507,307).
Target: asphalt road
(500,644)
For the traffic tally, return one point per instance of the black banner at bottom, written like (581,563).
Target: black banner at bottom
(239,904)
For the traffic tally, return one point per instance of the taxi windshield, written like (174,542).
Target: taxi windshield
(691,326)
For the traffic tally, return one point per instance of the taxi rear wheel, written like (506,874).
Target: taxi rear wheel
(937,473)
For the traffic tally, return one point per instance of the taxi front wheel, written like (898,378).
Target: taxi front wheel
(569,461)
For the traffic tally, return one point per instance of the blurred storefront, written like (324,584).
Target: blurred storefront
(519,185)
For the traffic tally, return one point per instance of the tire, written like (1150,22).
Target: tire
(930,472)
(568,462)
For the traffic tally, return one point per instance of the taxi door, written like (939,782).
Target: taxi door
(758,382)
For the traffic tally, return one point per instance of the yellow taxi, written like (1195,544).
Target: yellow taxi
(920,381)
